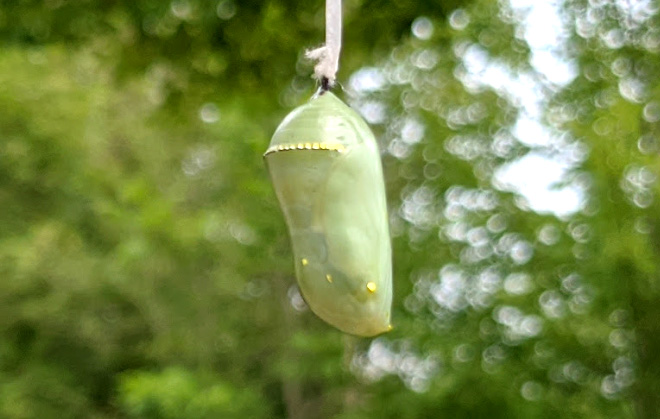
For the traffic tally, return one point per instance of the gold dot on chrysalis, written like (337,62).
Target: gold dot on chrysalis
(315,146)
(301,146)
(371,287)
(329,278)
(304,262)
(389,328)
(308,146)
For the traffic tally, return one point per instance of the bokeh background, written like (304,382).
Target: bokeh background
(145,268)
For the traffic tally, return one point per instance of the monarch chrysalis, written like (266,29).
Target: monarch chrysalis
(325,167)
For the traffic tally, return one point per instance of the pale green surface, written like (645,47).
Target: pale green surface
(335,208)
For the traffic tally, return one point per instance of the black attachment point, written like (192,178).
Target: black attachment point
(325,85)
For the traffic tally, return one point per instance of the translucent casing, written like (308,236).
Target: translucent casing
(326,170)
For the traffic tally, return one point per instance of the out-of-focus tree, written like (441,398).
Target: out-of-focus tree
(613,107)
(146,270)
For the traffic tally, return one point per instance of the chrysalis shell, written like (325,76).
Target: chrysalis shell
(326,170)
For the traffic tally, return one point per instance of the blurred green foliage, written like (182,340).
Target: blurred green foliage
(178,393)
(145,270)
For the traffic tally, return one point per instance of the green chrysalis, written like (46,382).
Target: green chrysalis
(326,170)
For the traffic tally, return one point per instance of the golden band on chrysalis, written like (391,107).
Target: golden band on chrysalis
(340,148)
